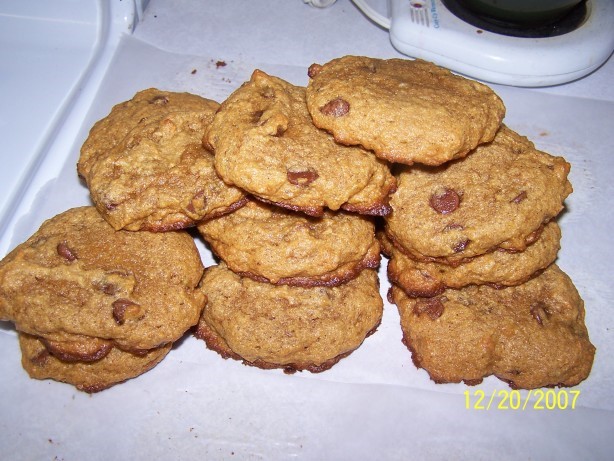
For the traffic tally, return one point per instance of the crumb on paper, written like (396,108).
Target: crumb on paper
(219,63)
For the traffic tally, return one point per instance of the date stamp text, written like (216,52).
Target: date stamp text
(534,399)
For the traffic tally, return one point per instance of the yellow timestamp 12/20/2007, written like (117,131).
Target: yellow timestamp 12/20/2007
(513,399)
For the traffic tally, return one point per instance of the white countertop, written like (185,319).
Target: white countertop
(373,405)
(289,32)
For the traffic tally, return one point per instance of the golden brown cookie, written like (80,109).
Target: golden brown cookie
(87,376)
(76,277)
(499,196)
(280,326)
(404,110)
(146,168)
(265,143)
(531,335)
(498,268)
(275,245)
(146,106)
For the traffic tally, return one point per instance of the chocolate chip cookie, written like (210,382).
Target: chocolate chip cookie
(280,326)
(146,168)
(87,376)
(531,335)
(84,288)
(275,245)
(499,196)
(404,110)
(265,143)
(498,268)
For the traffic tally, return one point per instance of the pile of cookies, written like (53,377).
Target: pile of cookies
(297,287)
(99,294)
(472,236)
(94,306)
(297,191)
(292,291)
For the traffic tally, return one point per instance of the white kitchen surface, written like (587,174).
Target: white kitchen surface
(42,49)
(52,57)
(82,58)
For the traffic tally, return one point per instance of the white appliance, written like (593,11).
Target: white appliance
(428,29)
(54,55)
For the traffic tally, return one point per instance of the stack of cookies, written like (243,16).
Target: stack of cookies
(93,306)
(99,294)
(296,287)
(472,236)
(297,191)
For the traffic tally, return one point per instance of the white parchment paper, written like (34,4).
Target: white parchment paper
(372,405)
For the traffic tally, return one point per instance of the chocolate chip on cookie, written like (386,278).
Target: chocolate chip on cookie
(531,335)
(406,111)
(499,196)
(97,300)
(304,169)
